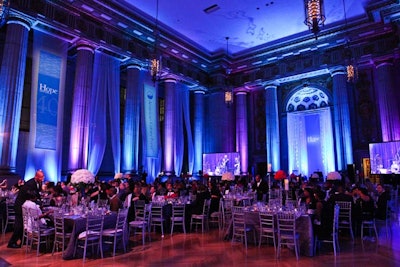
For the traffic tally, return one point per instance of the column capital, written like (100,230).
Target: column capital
(15,18)
(169,79)
(271,84)
(337,70)
(382,63)
(241,93)
(199,91)
(84,45)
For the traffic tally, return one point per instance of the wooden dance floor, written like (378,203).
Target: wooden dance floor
(210,249)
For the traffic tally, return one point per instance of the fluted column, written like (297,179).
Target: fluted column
(272,127)
(198,129)
(169,125)
(388,102)
(78,153)
(11,89)
(241,131)
(130,158)
(344,151)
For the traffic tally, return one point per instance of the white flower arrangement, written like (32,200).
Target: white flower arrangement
(118,175)
(82,176)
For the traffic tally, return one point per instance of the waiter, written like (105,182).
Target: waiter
(32,185)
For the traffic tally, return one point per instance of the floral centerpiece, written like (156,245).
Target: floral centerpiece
(119,176)
(81,178)
(334,176)
(280,175)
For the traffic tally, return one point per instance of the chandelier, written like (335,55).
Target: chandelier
(4,10)
(228,95)
(155,60)
(315,17)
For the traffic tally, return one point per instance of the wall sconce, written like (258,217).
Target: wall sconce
(228,97)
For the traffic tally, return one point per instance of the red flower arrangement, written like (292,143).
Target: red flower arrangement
(280,175)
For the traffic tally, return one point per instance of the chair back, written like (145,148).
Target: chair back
(121,220)
(286,224)
(94,226)
(206,207)
(267,220)
(238,219)
(335,225)
(178,211)
(345,208)
(142,212)
(157,212)
(59,226)
(10,212)
(34,221)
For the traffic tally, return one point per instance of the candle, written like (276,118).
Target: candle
(269,167)
(286,181)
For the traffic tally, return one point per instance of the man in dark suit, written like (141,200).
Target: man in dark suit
(34,185)
(340,195)
(260,187)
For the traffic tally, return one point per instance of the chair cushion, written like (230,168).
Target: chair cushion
(83,235)
(111,231)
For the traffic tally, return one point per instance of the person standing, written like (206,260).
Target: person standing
(260,187)
(33,185)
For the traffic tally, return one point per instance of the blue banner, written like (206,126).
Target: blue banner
(315,162)
(150,119)
(47,101)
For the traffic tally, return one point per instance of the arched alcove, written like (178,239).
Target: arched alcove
(310,131)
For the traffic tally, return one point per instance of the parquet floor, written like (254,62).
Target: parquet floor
(210,249)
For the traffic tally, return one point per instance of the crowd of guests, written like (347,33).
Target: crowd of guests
(367,199)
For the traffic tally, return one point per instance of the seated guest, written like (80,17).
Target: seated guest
(153,193)
(14,191)
(30,204)
(363,207)
(381,203)
(323,216)
(308,199)
(215,197)
(170,194)
(201,196)
(115,202)
(123,191)
(57,196)
(136,195)
(161,189)
(340,195)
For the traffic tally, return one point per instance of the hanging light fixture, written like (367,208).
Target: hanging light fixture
(351,67)
(315,17)
(155,60)
(4,10)
(228,95)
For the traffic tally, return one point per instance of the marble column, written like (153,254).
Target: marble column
(241,131)
(78,152)
(344,150)
(388,103)
(130,154)
(12,76)
(169,125)
(198,130)
(272,127)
